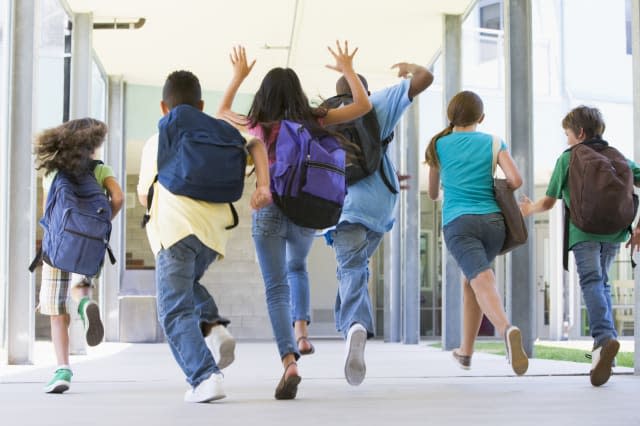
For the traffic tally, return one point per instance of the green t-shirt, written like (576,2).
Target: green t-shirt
(102,171)
(559,188)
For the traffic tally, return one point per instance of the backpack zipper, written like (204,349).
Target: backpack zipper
(324,166)
(71,231)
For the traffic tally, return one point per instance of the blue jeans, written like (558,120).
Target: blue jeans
(354,244)
(593,261)
(183,303)
(282,248)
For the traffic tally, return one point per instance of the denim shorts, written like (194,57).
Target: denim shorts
(474,241)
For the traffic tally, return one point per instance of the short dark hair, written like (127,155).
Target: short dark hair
(181,87)
(342,87)
(587,119)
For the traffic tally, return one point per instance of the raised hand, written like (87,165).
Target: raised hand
(404,69)
(241,67)
(344,60)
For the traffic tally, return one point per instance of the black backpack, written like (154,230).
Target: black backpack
(365,133)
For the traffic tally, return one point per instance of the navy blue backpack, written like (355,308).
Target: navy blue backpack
(308,181)
(200,157)
(77,225)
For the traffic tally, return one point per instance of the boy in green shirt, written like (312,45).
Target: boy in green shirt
(594,253)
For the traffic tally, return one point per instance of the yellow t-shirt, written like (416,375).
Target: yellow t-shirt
(174,217)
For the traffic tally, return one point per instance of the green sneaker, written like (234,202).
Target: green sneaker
(60,382)
(90,314)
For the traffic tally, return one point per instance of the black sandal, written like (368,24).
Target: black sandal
(309,351)
(288,387)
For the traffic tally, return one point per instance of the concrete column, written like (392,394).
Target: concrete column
(556,272)
(21,200)
(81,65)
(519,113)
(635,49)
(452,277)
(393,262)
(115,157)
(411,228)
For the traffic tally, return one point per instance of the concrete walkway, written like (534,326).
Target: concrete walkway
(121,384)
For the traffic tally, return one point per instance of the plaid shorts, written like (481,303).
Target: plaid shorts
(54,289)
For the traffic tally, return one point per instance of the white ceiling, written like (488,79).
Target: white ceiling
(198,34)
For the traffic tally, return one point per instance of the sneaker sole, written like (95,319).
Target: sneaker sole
(95,329)
(58,387)
(212,398)
(355,369)
(601,374)
(517,357)
(227,353)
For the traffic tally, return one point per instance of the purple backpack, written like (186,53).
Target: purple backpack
(308,181)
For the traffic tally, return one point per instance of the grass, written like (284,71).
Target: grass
(624,359)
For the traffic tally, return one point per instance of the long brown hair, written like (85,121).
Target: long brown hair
(70,146)
(464,109)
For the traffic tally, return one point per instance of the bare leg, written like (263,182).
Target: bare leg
(488,299)
(471,318)
(301,330)
(60,337)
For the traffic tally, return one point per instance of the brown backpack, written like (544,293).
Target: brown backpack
(600,188)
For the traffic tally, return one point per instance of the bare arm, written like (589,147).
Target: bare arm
(241,70)
(361,104)
(262,195)
(508,166)
(115,195)
(434,183)
(421,78)
(528,207)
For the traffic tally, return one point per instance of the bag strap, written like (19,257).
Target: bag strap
(147,216)
(495,150)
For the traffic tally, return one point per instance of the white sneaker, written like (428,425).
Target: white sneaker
(209,390)
(222,346)
(354,366)
(515,351)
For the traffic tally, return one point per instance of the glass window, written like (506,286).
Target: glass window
(490,16)
(4,151)
(51,97)
(98,92)
(627,16)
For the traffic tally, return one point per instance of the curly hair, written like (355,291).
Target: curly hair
(70,146)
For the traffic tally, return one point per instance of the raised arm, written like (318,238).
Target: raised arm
(421,78)
(361,104)
(241,70)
